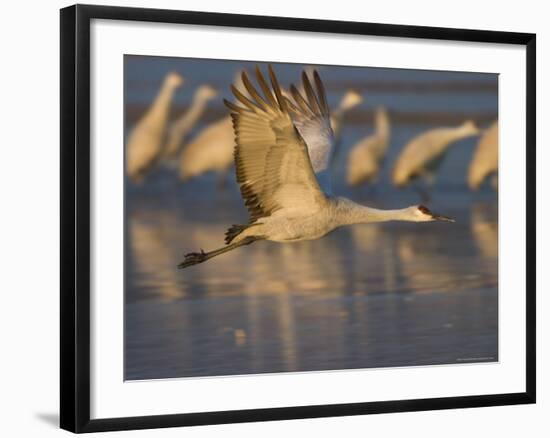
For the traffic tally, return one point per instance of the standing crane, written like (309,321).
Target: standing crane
(187,121)
(144,146)
(210,150)
(349,100)
(485,160)
(367,156)
(282,158)
(423,155)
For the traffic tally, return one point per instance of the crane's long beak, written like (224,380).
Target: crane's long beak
(438,217)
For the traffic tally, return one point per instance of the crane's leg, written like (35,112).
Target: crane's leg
(423,192)
(194,258)
(424,187)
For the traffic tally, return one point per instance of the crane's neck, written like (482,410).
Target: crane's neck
(192,115)
(161,104)
(461,132)
(382,126)
(341,111)
(349,212)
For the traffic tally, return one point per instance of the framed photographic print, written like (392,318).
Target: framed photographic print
(273,218)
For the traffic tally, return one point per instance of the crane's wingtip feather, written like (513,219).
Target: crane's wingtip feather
(234,108)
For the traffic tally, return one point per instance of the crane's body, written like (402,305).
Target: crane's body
(144,145)
(210,150)
(182,126)
(423,155)
(282,147)
(366,157)
(333,213)
(485,160)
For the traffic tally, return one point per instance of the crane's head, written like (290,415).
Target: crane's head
(470,128)
(351,99)
(206,92)
(174,80)
(421,213)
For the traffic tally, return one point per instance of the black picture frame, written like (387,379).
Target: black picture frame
(75,217)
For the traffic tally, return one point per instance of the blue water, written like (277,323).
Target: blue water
(393,294)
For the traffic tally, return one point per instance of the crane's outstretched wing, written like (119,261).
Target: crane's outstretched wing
(311,116)
(272,162)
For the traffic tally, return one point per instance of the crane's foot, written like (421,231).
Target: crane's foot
(193,258)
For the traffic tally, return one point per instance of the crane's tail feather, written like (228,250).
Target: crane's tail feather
(233,232)
(194,258)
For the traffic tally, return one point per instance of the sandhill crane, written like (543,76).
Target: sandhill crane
(212,148)
(485,160)
(366,157)
(282,157)
(145,142)
(350,100)
(185,123)
(423,155)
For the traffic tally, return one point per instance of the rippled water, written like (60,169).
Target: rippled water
(364,296)
(395,294)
